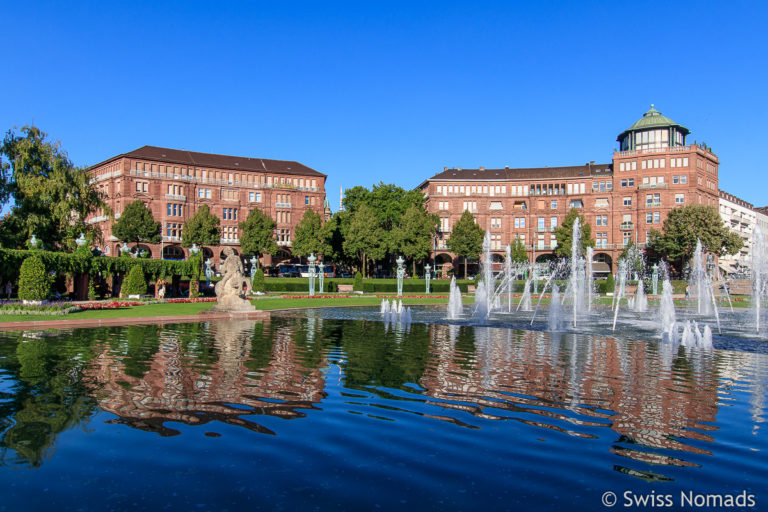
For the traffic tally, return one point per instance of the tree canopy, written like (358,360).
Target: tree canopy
(50,197)
(309,236)
(258,234)
(364,237)
(201,229)
(466,238)
(518,254)
(412,237)
(564,234)
(687,224)
(136,224)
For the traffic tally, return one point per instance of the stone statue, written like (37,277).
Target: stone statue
(230,291)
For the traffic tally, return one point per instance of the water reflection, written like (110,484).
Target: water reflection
(637,402)
(224,371)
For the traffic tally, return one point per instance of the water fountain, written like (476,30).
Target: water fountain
(759,272)
(455,308)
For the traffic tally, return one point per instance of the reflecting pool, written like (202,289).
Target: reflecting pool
(336,410)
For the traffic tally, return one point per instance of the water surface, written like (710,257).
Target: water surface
(314,411)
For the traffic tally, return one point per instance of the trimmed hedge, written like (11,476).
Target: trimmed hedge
(135,283)
(34,283)
(258,284)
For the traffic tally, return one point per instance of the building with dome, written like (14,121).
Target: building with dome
(654,171)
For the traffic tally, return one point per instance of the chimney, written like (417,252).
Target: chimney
(482,168)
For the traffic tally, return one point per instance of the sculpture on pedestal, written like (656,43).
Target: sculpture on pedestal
(230,291)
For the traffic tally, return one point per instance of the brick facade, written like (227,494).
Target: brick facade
(622,201)
(174,184)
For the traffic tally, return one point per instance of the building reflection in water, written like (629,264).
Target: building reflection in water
(573,383)
(246,372)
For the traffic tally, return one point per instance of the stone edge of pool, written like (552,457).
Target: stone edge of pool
(100,322)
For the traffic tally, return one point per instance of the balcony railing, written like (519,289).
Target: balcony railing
(167,238)
(653,204)
(650,151)
(282,205)
(229,240)
(646,186)
(212,181)
(286,243)
(175,197)
(100,218)
(106,176)
(626,225)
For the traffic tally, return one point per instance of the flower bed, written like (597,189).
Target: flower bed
(413,296)
(187,301)
(315,297)
(111,304)
(49,308)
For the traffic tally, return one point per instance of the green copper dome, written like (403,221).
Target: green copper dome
(652,120)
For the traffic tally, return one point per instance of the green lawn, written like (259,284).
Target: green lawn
(272,302)
(264,303)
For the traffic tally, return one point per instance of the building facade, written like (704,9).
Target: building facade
(175,183)
(654,171)
(739,217)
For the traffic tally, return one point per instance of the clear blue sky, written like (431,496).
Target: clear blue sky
(391,91)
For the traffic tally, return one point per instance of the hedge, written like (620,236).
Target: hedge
(69,263)
(34,283)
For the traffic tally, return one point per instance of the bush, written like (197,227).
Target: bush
(34,283)
(258,284)
(91,289)
(606,285)
(358,286)
(135,283)
(194,286)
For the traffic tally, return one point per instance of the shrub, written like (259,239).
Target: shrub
(358,286)
(194,286)
(34,283)
(135,283)
(258,284)
(607,285)
(91,289)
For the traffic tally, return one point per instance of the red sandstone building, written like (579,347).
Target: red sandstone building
(654,171)
(175,183)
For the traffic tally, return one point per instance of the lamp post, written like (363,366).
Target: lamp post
(400,275)
(79,241)
(312,273)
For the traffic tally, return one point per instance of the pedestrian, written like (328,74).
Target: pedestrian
(687,291)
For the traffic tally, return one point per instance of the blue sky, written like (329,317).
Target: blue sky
(392,91)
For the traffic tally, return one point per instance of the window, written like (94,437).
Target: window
(629,182)
(204,193)
(541,223)
(174,210)
(601,203)
(495,205)
(306,199)
(495,222)
(627,201)
(254,197)
(470,205)
(519,222)
(679,198)
(601,220)
(229,214)
(601,241)
(553,204)
(552,222)
(576,203)
(626,237)
(653,200)
(656,217)
(444,225)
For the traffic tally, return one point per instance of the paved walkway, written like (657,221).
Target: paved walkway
(99,322)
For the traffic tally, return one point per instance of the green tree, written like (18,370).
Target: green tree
(687,224)
(564,234)
(50,196)
(135,283)
(258,234)
(466,238)
(202,228)
(34,283)
(258,284)
(309,236)
(136,225)
(413,236)
(388,202)
(364,238)
(518,254)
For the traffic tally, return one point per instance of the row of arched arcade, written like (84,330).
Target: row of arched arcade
(445,262)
